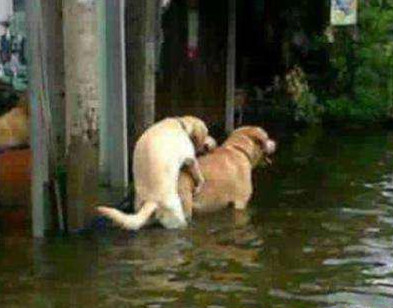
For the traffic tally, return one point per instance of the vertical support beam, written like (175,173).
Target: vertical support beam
(231,68)
(149,64)
(53,25)
(103,63)
(39,137)
(82,108)
(140,37)
(116,146)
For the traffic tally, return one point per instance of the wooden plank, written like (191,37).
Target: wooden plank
(231,68)
(53,25)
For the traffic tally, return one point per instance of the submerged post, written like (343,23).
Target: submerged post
(46,86)
(82,108)
(231,68)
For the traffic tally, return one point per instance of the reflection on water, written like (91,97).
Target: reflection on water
(319,233)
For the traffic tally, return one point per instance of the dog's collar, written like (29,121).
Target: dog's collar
(240,149)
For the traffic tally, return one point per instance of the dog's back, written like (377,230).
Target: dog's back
(158,156)
(227,176)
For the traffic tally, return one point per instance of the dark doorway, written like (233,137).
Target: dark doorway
(272,36)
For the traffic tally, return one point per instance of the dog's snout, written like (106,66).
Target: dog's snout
(209,145)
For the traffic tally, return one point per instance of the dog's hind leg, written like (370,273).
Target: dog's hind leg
(241,203)
(187,201)
(171,214)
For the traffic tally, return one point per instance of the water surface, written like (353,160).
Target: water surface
(318,233)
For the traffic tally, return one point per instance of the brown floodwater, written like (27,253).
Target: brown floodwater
(318,233)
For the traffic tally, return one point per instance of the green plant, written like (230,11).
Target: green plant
(303,102)
(361,71)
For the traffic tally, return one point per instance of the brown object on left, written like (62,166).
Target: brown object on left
(14,126)
(15,179)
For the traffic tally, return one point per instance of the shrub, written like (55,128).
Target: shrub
(362,70)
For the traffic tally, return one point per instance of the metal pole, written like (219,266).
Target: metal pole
(231,68)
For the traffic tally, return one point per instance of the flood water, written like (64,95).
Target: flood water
(318,233)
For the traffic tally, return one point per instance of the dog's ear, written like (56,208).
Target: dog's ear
(197,130)
(261,138)
(199,135)
(256,134)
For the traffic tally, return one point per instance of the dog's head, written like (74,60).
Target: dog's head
(199,133)
(255,141)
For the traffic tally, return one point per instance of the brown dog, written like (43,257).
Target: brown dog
(227,172)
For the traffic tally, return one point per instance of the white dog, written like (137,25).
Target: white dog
(159,155)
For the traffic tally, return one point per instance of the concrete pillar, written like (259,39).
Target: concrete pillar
(81,45)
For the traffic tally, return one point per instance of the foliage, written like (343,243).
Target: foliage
(355,82)
(304,102)
(361,67)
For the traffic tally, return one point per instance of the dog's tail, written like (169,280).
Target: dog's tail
(129,221)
